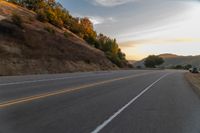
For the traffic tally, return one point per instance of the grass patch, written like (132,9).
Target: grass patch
(49,29)
(66,34)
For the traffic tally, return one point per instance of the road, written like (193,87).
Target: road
(126,101)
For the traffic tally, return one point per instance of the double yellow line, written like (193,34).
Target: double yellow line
(63,91)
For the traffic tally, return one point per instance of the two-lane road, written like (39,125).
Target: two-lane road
(118,101)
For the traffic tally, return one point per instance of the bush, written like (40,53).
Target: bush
(17,20)
(66,34)
(41,16)
(152,61)
(31,19)
(50,30)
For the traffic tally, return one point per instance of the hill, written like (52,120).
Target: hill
(29,46)
(173,60)
(167,56)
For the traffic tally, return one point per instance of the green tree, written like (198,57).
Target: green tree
(188,66)
(152,61)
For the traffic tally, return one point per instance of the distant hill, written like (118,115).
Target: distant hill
(43,48)
(173,60)
(167,56)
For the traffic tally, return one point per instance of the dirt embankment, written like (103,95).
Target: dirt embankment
(194,80)
(35,49)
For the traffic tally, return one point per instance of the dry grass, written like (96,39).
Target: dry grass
(194,80)
(33,50)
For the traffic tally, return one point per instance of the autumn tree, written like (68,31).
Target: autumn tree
(53,12)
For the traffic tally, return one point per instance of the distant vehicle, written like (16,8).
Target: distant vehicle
(194,70)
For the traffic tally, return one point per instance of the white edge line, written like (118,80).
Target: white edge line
(50,79)
(106,122)
(43,80)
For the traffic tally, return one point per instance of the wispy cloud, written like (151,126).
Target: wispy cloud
(159,41)
(97,20)
(111,2)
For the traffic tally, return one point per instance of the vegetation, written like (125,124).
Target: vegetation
(66,34)
(50,30)
(178,67)
(138,67)
(186,67)
(152,61)
(17,20)
(53,12)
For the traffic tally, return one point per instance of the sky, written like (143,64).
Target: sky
(144,27)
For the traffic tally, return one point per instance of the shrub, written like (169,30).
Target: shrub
(152,61)
(66,34)
(31,19)
(41,16)
(138,67)
(50,30)
(17,20)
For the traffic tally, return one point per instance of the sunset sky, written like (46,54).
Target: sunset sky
(144,27)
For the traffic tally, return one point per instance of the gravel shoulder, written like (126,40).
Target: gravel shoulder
(194,80)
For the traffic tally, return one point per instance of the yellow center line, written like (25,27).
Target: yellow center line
(48,94)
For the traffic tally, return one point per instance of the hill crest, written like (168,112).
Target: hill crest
(173,60)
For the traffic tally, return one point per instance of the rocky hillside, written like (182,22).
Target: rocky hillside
(173,60)
(28,46)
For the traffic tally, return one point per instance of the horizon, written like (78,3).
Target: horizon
(167,54)
(144,27)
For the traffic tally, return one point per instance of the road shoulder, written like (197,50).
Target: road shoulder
(194,80)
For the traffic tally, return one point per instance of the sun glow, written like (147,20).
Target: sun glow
(182,37)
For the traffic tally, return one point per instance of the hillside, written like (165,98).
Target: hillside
(168,56)
(173,60)
(38,47)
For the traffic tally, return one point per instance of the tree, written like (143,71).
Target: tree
(52,12)
(152,61)
(188,66)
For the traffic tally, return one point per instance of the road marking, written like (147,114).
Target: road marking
(48,94)
(106,122)
(43,80)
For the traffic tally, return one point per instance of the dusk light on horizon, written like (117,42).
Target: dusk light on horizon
(144,27)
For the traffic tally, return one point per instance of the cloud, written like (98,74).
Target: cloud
(97,20)
(111,2)
(129,44)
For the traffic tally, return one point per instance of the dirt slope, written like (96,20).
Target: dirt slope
(34,50)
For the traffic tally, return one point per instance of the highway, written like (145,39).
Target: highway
(125,101)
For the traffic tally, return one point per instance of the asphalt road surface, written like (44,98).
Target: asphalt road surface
(127,101)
